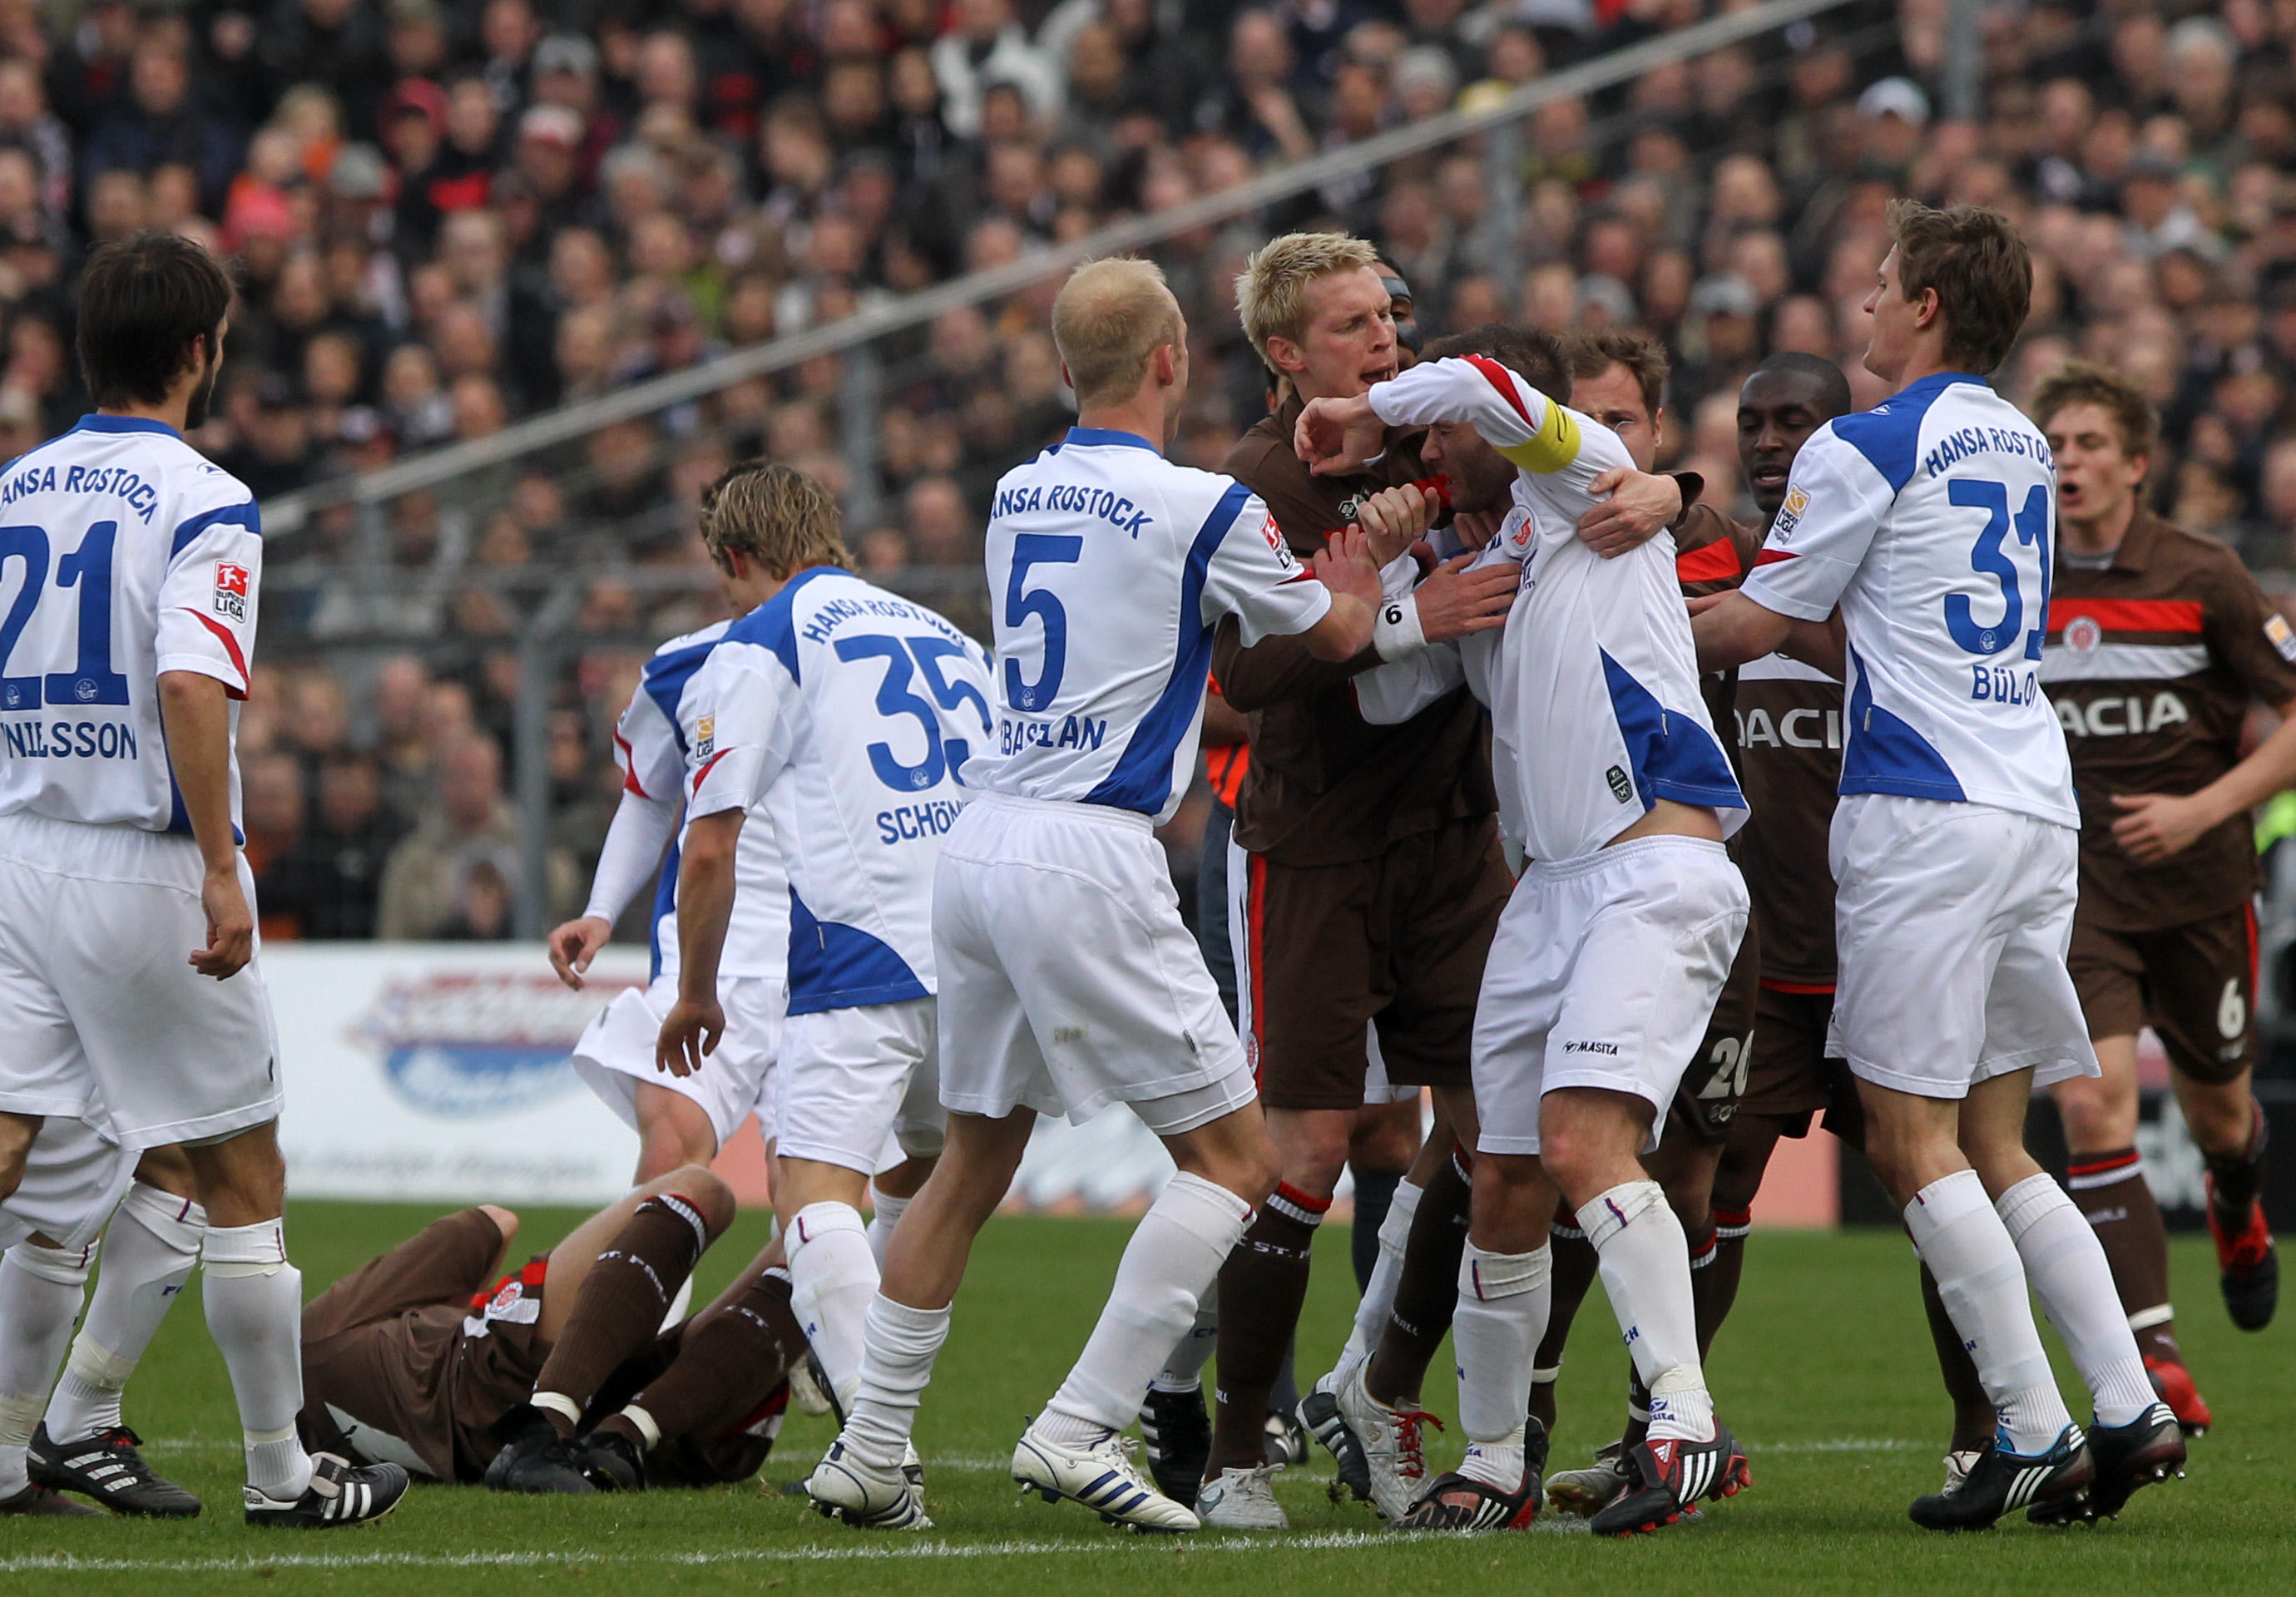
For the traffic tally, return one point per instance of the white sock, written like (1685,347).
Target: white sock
(832,1277)
(1174,1252)
(2066,1267)
(884,1214)
(1378,1300)
(896,1364)
(255,1314)
(1962,1239)
(1645,1260)
(1184,1367)
(39,1298)
(148,1250)
(1503,1301)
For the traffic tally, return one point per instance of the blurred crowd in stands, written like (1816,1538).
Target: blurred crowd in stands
(446,217)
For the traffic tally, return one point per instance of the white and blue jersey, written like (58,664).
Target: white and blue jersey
(1593,684)
(124,555)
(1930,520)
(850,713)
(1108,567)
(651,741)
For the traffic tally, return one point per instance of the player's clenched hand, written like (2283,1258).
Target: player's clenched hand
(1639,505)
(574,945)
(689,1033)
(1454,602)
(2155,826)
(231,925)
(1345,564)
(1338,435)
(1393,518)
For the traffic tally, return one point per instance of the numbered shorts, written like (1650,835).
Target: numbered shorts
(1068,980)
(616,1051)
(853,1077)
(101,1015)
(1791,1079)
(1952,921)
(2194,984)
(1708,1100)
(74,1178)
(1603,974)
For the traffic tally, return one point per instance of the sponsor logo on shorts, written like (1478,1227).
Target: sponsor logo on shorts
(1587,1045)
(472,1046)
(1621,789)
(231,590)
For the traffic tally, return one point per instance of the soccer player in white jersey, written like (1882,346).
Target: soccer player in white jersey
(1928,521)
(848,714)
(127,981)
(1616,941)
(1068,981)
(680,1119)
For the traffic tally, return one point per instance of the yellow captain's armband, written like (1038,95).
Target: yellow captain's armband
(1554,445)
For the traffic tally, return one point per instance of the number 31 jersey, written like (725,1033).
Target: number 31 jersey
(123,554)
(851,713)
(1930,519)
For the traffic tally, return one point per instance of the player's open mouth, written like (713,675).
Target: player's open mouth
(1768,477)
(1380,373)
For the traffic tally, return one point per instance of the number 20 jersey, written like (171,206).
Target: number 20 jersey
(123,554)
(852,714)
(1930,519)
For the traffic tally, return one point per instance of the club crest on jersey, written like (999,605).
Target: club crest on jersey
(2083,634)
(231,590)
(2284,637)
(1517,530)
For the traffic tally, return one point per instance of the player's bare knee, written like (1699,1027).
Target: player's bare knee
(1312,1148)
(708,1193)
(168,1169)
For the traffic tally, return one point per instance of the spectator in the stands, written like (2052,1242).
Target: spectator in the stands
(470,823)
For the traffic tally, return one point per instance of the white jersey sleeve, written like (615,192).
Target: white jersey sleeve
(1253,576)
(1836,501)
(207,597)
(740,719)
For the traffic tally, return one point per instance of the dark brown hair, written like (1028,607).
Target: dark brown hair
(1977,264)
(147,304)
(1531,354)
(2082,383)
(1592,354)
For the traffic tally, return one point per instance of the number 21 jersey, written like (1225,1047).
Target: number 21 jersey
(123,554)
(1930,519)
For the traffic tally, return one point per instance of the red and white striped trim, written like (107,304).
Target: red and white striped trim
(1305,1208)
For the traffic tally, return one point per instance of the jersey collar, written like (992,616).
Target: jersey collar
(2135,551)
(95,423)
(1105,436)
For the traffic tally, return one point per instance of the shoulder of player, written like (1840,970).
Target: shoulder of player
(702,638)
(2190,554)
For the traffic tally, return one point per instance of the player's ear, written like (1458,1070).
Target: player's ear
(1287,355)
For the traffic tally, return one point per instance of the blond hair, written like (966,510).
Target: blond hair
(1271,294)
(775,514)
(1110,317)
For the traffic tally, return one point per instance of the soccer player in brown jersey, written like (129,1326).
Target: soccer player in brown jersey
(2157,643)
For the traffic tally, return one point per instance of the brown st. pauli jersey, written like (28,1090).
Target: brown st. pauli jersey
(1788,720)
(2151,663)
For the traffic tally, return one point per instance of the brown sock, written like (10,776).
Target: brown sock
(2237,1179)
(1973,1419)
(728,1363)
(1576,1265)
(1261,1286)
(621,1304)
(2118,1206)
(1427,1288)
(1714,1285)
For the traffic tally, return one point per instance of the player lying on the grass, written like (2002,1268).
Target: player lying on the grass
(555,1377)
(130,988)
(847,714)
(1616,941)
(1927,520)
(2159,641)
(1069,980)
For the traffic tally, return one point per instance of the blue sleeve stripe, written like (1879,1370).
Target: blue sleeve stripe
(1141,779)
(232,515)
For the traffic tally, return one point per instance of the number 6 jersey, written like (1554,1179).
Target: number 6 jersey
(1930,519)
(851,713)
(123,554)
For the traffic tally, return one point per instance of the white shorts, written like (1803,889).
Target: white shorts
(850,1078)
(73,1179)
(1603,974)
(102,1016)
(616,1051)
(1953,921)
(1068,981)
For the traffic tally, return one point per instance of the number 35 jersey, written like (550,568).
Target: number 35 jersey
(1929,520)
(123,554)
(850,713)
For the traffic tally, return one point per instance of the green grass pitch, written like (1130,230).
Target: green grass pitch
(1824,1371)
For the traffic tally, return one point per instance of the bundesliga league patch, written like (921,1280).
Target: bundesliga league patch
(231,590)
(1790,515)
(2283,637)
(705,737)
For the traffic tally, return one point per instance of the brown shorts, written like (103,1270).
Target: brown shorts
(2194,984)
(1397,942)
(1706,1100)
(387,1368)
(1791,1079)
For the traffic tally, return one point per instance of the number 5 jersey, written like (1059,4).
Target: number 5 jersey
(1929,520)
(851,714)
(123,554)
